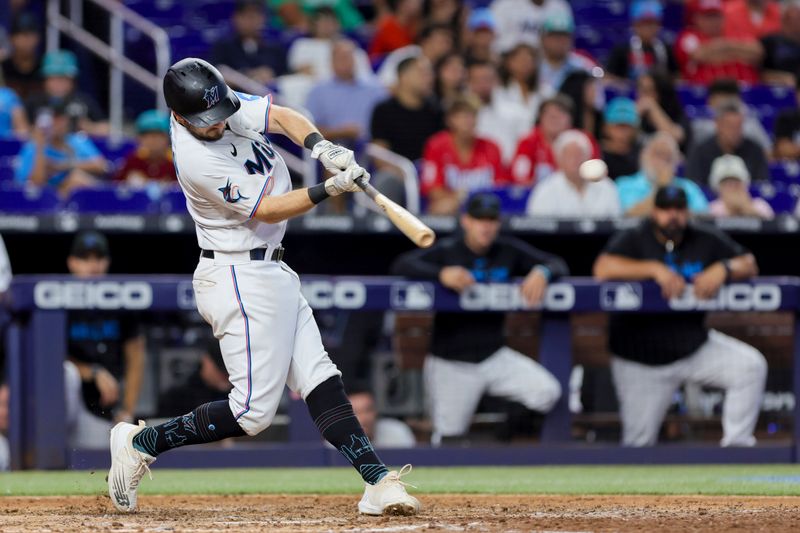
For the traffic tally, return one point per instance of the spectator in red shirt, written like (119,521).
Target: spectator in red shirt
(704,53)
(152,159)
(397,29)
(751,19)
(457,161)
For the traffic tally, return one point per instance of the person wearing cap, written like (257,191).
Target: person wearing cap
(559,57)
(104,369)
(468,355)
(520,21)
(705,53)
(620,141)
(653,354)
(730,180)
(245,50)
(457,162)
(729,138)
(659,162)
(22,68)
(151,160)
(479,37)
(644,51)
(781,65)
(787,130)
(57,158)
(565,194)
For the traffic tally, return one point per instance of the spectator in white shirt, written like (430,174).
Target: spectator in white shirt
(519,73)
(565,194)
(521,20)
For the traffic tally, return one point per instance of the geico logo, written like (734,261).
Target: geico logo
(92,295)
(736,297)
(507,297)
(339,295)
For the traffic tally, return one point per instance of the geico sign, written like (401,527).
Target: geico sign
(507,297)
(335,295)
(736,297)
(92,295)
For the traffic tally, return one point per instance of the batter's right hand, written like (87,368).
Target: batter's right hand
(672,284)
(108,387)
(456,277)
(345,181)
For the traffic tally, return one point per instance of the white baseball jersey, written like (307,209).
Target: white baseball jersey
(225,180)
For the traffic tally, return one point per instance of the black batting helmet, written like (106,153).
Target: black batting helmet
(195,90)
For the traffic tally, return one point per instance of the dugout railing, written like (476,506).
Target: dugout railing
(36,347)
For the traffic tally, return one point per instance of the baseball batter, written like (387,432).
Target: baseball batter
(239,194)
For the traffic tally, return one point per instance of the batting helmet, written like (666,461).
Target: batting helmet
(195,90)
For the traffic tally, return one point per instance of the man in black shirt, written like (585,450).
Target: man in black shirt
(655,353)
(644,51)
(781,62)
(105,356)
(468,355)
(21,69)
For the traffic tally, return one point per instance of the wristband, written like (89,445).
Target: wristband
(728,270)
(317,193)
(313,138)
(544,271)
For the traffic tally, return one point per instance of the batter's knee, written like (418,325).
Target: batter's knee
(253,425)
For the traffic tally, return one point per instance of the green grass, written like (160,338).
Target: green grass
(742,480)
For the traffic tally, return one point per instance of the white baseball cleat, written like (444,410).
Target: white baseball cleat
(128,465)
(389,497)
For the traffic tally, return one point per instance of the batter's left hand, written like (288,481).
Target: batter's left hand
(708,282)
(345,181)
(533,287)
(333,157)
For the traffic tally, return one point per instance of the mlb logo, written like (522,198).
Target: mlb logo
(621,296)
(412,296)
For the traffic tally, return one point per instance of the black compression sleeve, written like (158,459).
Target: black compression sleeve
(312,139)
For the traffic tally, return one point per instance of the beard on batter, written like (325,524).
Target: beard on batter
(211,133)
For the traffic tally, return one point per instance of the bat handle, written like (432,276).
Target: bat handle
(366,187)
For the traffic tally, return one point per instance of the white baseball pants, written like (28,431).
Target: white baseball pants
(645,392)
(454,388)
(266,331)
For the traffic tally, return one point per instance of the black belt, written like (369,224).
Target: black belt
(256,254)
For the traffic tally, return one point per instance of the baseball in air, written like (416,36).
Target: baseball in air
(593,170)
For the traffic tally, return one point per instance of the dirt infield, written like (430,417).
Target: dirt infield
(442,513)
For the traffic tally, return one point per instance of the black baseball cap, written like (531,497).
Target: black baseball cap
(90,243)
(671,197)
(483,205)
(24,23)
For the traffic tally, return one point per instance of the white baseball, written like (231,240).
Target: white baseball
(593,170)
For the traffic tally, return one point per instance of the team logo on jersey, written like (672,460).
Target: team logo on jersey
(231,193)
(263,154)
(211,96)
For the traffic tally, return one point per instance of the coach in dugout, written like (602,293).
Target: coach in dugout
(468,355)
(655,353)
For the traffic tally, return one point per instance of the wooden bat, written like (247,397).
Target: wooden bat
(411,226)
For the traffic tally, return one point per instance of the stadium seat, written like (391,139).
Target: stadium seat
(16,199)
(111,199)
(513,200)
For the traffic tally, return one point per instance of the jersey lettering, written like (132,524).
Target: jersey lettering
(262,154)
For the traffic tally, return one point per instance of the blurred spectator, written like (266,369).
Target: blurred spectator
(519,79)
(312,55)
(458,162)
(620,142)
(655,353)
(405,121)
(342,106)
(705,53)
(586,93)
(449,12)
(719,92)
(207,383)
(480,35)
(22,68)
(787,130)
(502,121)
(729,139)
(645,51)
(468,356)
(246,50)
(396,29)
(534,160)
(382,432)
(5,451)
(295,14)
(106,356)
(520,21)
(731,180)
(152,158)
(450,78)
(660,108)
(565,194)
(782,49)
(559,58)
(751,19)
(13,120)
(659,161)
(60,69)
(57,158)
(435,41)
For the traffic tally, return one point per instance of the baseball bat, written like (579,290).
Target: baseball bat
(411,226)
